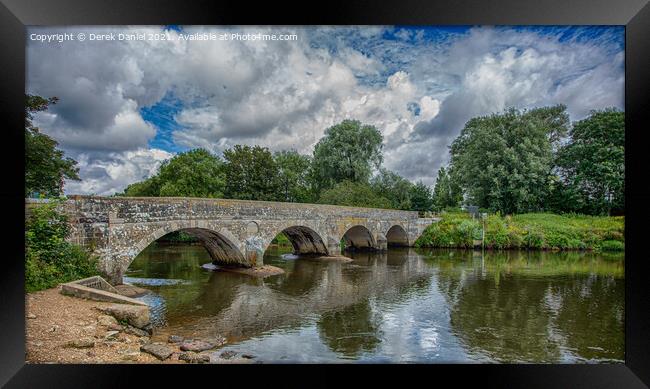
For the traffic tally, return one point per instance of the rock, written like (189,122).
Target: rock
(143,340)
(175,355)
(191,357)
(31,316)
(209,266)
(111,335)
(175,339)
(106,320)
(135,331)
(148,328)
(248,356)
(130,290)
(227,354)
(130,355)
(218,341)
(90,354)
(53,328)
(82,343)
(115,327)
(137,316)
(197,345)
(158,350)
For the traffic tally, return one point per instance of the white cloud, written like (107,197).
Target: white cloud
(110,173)
(285,94)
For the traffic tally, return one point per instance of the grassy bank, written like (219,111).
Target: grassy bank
(535,231)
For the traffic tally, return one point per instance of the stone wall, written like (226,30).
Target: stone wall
(238,232)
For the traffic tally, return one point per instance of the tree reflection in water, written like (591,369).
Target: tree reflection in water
(534,307)
(402,304)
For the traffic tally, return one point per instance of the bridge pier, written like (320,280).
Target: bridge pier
(382,242)
(333,246)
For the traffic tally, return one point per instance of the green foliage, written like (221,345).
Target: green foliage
(504,161)
(293,172)
(454,230)
(394,188)
(348,152)
(421,197)
(612,245)
(353,194)
(447,192)
(593,164)
(195,173)
(281,240)
(49,258)
(252,174)
(496,233)
(46,168)
(535,231)
(179,236)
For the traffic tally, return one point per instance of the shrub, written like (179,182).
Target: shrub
(534,239)
(496,233)
(49,258)
(612,245)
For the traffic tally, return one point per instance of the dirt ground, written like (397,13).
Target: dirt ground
(65,329)
(54,320)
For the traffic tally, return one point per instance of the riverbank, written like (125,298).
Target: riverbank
(64,329)
(533,231)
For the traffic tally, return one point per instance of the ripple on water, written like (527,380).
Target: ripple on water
(155,281)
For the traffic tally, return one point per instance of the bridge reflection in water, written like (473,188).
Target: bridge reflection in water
(402,305)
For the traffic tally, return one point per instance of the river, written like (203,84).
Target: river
(401,305)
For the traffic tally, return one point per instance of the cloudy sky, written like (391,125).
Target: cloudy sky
(127,105)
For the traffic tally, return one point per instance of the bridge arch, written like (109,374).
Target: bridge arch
(396,236)
(306,238)
(222,245)
(359,237)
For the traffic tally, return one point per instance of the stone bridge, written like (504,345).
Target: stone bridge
(234,232)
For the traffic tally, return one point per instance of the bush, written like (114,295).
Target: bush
(612,245)
(496,233)
(49,258)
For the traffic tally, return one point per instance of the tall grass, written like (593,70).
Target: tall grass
(534,231)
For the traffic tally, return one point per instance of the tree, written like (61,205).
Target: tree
(504,162)
(46,168)
(293,172)
(421,197)
(252,174)
(348,151)
(354,194)
(446,193)
(592,164)
(195,173)
(393,187)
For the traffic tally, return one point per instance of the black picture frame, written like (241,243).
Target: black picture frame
(634,14)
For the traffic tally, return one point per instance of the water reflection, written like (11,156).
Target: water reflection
(399,305)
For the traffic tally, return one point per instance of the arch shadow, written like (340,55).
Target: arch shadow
(221,246)
(359,238)
(304,240)
(396,236)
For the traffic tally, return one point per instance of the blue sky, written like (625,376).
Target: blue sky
(127,105)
